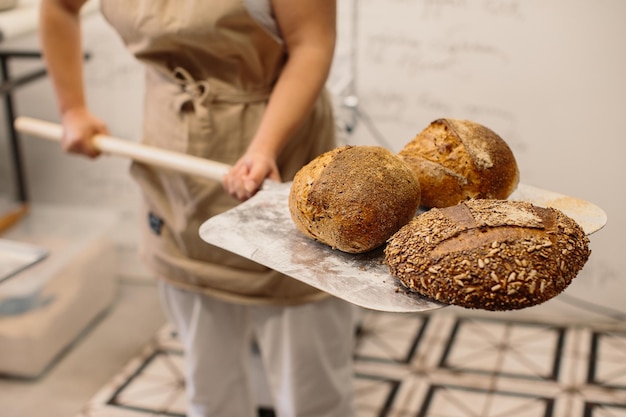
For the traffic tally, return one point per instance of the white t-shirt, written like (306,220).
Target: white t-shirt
(262,12)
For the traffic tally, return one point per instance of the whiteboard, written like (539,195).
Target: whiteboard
(549,76)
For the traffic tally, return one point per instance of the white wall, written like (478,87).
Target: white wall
(547,75)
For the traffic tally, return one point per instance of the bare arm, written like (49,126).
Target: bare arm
(60,36)
(309,33)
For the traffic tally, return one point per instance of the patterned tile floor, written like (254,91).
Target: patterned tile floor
(431,365)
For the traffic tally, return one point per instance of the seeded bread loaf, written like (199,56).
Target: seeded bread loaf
(456,160)
(354,198)
(488,254)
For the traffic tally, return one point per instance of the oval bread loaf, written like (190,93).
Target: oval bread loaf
(353,198)
(456,160)
(488,254)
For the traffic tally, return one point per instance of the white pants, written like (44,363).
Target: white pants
(306,351)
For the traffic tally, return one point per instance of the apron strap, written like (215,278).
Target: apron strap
(201,92)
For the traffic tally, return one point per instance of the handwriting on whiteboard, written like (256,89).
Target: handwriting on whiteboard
(421,60)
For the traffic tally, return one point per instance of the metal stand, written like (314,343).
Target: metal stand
(7,87)
(353,111)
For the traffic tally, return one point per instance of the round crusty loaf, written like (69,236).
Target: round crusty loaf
(456,160)
(488,254)
(353,198)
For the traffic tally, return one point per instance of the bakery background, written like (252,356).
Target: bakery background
(546,75)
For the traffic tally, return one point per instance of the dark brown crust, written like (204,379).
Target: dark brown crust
(354,198)
(489,254)
(456,160)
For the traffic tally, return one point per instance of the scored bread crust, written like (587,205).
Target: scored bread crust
(457,159)
(353,198)
(488,254)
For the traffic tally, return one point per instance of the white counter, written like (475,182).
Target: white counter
(45,307)
(23,19)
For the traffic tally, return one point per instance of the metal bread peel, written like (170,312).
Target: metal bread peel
(261,229)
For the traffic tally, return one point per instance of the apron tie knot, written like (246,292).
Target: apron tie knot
(198,94)
(194,93)
(197,91)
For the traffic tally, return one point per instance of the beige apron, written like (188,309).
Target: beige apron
(210,70)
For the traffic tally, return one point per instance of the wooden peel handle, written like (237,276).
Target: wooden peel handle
(187,164)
